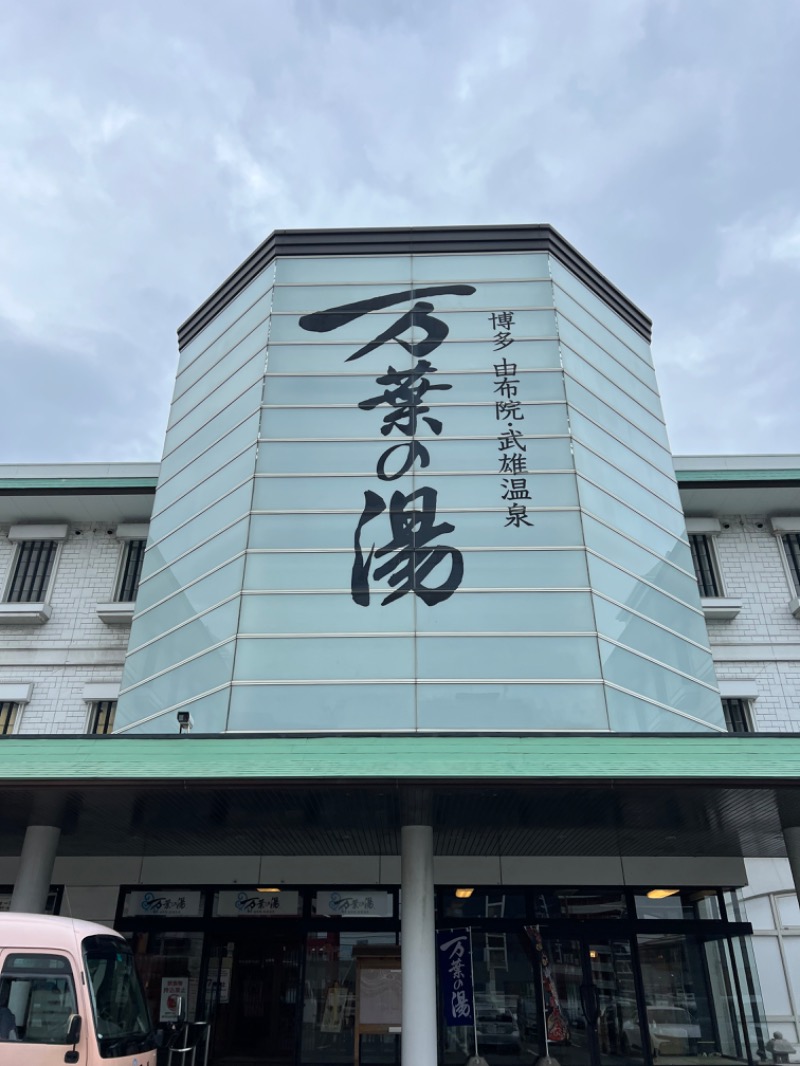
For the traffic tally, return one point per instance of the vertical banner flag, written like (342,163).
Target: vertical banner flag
(454,952)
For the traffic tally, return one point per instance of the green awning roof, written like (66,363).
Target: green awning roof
(705,758)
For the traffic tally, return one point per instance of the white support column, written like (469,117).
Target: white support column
(32,885)
(419,1040)
(791,836)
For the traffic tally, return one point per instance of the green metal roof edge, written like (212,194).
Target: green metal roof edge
(704,757)
(688,476)
(78,483)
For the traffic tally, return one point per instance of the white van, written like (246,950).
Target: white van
(69,993)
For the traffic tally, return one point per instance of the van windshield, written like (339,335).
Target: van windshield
(120,1013)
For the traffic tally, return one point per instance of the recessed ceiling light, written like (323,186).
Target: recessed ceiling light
(662,893)
(464,893)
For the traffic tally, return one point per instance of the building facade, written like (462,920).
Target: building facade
(424,608)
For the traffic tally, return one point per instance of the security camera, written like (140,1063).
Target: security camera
(185,722)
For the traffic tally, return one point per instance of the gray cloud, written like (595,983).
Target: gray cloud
(149,148)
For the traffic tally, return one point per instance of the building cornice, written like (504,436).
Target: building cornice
(414,240)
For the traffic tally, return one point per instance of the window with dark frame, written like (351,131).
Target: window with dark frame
(8,713)
(133,554)
(737,715)
(791,549)
(705,567)
(101,717)
(32,569)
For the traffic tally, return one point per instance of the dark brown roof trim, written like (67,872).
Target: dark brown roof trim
(446,240)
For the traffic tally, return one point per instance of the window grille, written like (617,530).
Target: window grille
(8,712)
(131,570)
(101,716)
(737,715)
(32,570)
(791,548)
(704,567)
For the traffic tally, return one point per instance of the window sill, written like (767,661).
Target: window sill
(115,613)
(24,614)
(794,606)
(720,608)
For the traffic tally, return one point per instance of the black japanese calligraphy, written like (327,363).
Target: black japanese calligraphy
(411,559)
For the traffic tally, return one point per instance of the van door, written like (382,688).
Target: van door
(37,1000)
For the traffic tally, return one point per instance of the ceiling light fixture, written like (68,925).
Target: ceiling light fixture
(662,893)
(267,890)
(464,893)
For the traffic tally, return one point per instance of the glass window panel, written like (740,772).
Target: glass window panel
(581,904)
(321,658)
(186,603)
(446,388)
(204,632)
(475,529)
(596,396)
(462,325)
(194,678)
(603,350)
(759,912)
(338,423)
(325,357)
(471,268)
(330,978)
(322,707)
(207,489)
(649,441)
(525,707)
(771,974)
(481,569)
(791,947)
(687,904)
(635,525)
(168,955)
(358,268)
(309,298)
(578,291)
(490,612)
(629,714)
(223,426)
(212,519)
(259,287)
(248,356)
(627,590)
(660,482)
(483,903)
(324,613)
(523,658)
(691,1010)
(644,637)
(587,363)
(657,571)
(209,714)
(549,453)
(219,549)
(627,670)
(626,436)
(665,512)
(788,911)
(461,491)
(248,312)
(187,468)
(233,395)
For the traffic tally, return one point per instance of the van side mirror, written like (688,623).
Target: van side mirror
(73,1036)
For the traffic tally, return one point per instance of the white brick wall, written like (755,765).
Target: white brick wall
(74,647)
(763,642)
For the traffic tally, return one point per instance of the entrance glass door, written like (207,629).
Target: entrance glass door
(589,1000)
(253,989)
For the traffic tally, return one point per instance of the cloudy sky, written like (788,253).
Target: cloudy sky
(148,147)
